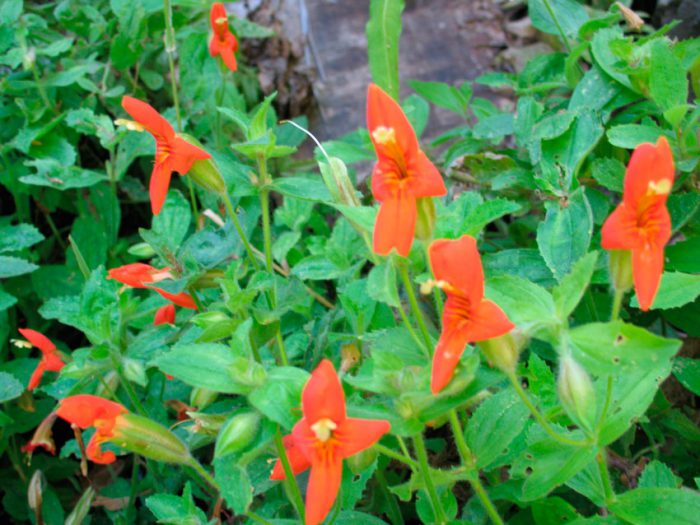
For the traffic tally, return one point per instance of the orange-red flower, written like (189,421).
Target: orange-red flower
(140,275)
(323,438)
(467,317)
(87,411)
(173,153)
(165,315)
(403,173)
(50,358)
(223,42)
(641,223)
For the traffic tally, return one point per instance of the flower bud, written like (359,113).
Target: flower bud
(576,393)
(209,279)
(82,508)
(43,436)
(621,270)
(201,398)
(503,352)
(426,218)
(150,439)
(359,462)
(633,20)
(237,433)
(142,250)
(335,175)
(205,173)
(350,356)
(35,493)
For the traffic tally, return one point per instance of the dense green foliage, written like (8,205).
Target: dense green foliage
(533,183)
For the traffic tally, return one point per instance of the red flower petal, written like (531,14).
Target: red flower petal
(384,112)
(218,11)
(355,435)
(395,225)
(165,315)
(427,181)
(229,58)
(449,349)
(38,340)
(184,154)
(181,299)
(458,263)
(323,395)
(35,379)
(95,453)
(297,460)
(135,275)
(53,362)
(159,184)
(647,267)
(620,231)
(650,172)
(149,118)
(84,409)
(487,321)
(322,490)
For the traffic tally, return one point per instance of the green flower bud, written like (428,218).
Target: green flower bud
(503,352)
(426,218)
(576,393)
(237,433)
(335,175)
(142,250)
(621,270)
(359,462)
(150,439)
(201,398)
(205,173)
(35,492)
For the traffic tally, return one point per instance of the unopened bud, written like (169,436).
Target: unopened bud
(82,508)
(359,462)
(35,493)
(405,409)
(426,218)
(237,433)
(205,173)
(150,439)
(43,436)
(576,393)
(141,250)
(201,398)
(503,352)
(335,175)
(621,276)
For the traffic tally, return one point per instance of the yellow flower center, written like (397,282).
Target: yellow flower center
(662,187)
(131,125)
(323,428)
(384,135)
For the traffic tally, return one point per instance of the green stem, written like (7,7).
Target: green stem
(395,455)
(257,519)
(239,229)
(82,265)
(219,101)
(617,304)
(556,23)
(407,323)
(424,469)
(408,285)
(605,477)
(171,49)
(197,467)
(267,230)
(470,464)
(40,88)
(394,511)
(54,229)
(540,418)
(290,480)
(606,404)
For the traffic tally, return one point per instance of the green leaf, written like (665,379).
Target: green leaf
(354,485)
(485,213)
(236,488)
(383,33)
(6,300)
(676,289)
(18,237)
(521,262)
(492,427)
(629,136)
(572,287)
(565,234)
(280,396)
(173,221)
(203,365)
(553,511)
(451,98)
(609,173)
(617,347)
(657,474)
(244,28)
(302,188)
(569,14)
(643,506)
(168,508)
(381,284)
(316,268)
(687,371)
(13,266)
(668,85)
(527,305)
(10,387)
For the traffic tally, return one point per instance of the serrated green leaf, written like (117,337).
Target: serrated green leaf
(568,293)
(643,506)
(383,33)
(14,266)
(18,237)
